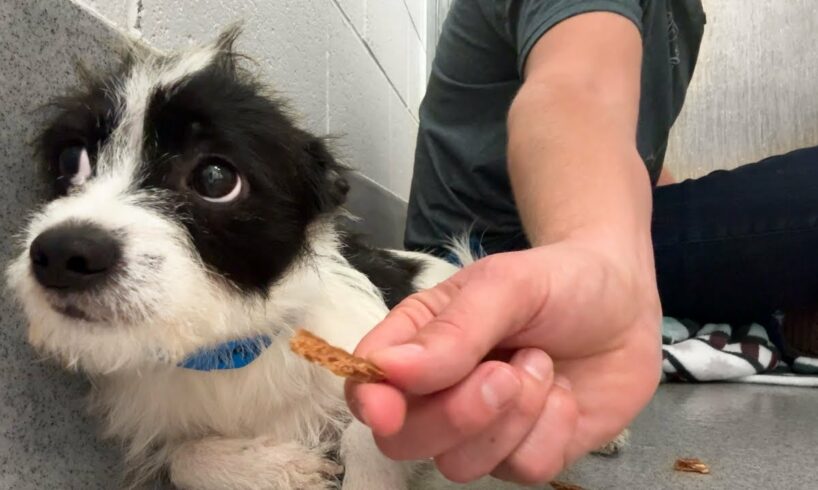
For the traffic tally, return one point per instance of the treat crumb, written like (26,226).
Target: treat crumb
(559,485)
(691,465)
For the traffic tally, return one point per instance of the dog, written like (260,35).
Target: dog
(192,227)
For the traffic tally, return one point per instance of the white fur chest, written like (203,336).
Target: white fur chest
(276,396)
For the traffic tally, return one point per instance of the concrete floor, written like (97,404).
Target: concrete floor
(751,436)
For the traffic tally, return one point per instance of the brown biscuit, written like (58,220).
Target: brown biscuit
(340,362)
(691,465)
(559,485)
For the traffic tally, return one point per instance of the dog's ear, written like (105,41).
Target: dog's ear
(224,46)
(326,176)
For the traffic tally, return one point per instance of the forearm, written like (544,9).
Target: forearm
(575,169)
(572,155)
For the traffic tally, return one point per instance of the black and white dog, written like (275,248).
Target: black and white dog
(193,227)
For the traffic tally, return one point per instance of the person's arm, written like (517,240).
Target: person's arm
(573,162)
(579,311)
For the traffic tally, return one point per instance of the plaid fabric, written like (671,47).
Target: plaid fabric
(718,352)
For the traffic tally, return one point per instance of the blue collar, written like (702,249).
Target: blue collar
(233,354)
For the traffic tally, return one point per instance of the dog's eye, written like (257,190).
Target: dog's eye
(216,180)
(75,165)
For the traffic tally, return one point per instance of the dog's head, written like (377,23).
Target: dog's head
(183,193)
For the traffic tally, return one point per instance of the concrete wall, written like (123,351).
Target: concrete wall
(755,90)
(352,68)
(46,440)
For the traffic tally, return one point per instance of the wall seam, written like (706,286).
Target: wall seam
(372,54)
(412,22)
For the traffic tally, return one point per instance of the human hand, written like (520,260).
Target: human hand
(579,332)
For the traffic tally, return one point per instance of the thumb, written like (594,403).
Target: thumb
(435,338)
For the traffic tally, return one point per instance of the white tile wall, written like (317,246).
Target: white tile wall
(355,11)
(358,104)
(415,74)
(387,34)
(417,13)
(352,68)
(403,130)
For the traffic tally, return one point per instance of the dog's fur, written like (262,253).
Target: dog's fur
(195,273)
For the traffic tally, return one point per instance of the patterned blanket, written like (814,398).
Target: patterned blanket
(718,352)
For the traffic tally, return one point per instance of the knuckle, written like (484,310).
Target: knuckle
(532,470)
(430,301)
(530,405)
(533,396)
(500,267)
(462,414)
(454,470)
(417,308)
(464,421)
(451,328)
(461,342)
(511,275)
(392,448)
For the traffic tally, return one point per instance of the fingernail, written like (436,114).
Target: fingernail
(500,387)
(537,364)
(562,382)
(398,352)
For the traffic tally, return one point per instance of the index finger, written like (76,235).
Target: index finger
(440,335)
(407,318)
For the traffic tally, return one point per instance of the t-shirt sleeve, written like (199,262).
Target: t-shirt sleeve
(525,21)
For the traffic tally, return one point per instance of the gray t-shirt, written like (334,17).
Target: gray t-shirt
(460,180)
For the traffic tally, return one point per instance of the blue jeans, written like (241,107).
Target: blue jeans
(734,246)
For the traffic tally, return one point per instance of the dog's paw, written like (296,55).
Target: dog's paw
(613,447)
(366,467)
(314,472)
(251,464)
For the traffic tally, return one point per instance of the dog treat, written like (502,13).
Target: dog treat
(340,362)
(691,465)
(561,485)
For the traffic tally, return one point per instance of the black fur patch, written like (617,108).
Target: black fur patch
(392,274)
(289,177)
(85,117)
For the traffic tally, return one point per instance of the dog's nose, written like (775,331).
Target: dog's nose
(74,257)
